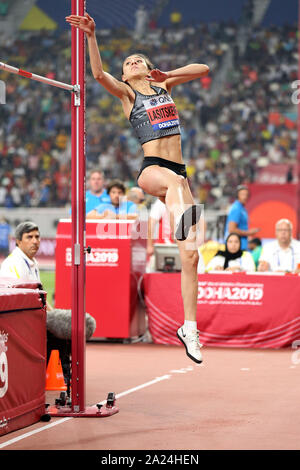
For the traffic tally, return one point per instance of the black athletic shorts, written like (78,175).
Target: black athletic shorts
(178,168)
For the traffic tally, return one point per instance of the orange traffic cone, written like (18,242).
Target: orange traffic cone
(54,374)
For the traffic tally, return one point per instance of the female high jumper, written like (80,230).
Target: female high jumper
(145,96)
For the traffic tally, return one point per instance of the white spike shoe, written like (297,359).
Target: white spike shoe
(190,340)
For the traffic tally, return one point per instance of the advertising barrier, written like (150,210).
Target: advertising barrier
(234,309)
(22,357)
(115,265)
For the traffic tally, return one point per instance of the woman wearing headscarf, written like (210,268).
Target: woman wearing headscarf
(232,258)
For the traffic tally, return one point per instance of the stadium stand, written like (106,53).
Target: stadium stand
(231,126)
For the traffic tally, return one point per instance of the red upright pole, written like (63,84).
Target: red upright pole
(78,406)
(78,214)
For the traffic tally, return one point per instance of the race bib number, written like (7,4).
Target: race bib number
(162,112)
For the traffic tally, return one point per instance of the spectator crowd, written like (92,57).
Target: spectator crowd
(228,132)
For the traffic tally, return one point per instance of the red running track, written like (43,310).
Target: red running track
(236,399)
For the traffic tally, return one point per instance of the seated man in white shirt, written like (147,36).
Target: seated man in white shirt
(283,254)
(21,263)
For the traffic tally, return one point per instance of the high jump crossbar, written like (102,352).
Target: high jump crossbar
(77,408)
(38,78)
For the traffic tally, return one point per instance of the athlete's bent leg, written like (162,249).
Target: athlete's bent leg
(161,182)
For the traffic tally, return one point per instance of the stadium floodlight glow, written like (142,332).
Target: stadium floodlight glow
(77,407)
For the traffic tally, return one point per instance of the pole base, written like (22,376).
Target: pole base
(63,407)
(88,412)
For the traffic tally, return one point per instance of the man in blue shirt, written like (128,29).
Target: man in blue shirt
(97,193)
(5,231)
(237,219)
(118,207)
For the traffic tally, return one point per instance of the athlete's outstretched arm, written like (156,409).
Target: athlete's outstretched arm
(87,24)
(180,75)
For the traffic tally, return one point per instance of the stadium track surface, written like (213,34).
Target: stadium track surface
(236,399)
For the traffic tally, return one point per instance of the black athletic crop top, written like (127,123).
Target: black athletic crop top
(154,116)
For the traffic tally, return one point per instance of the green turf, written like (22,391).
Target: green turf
(48,281)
